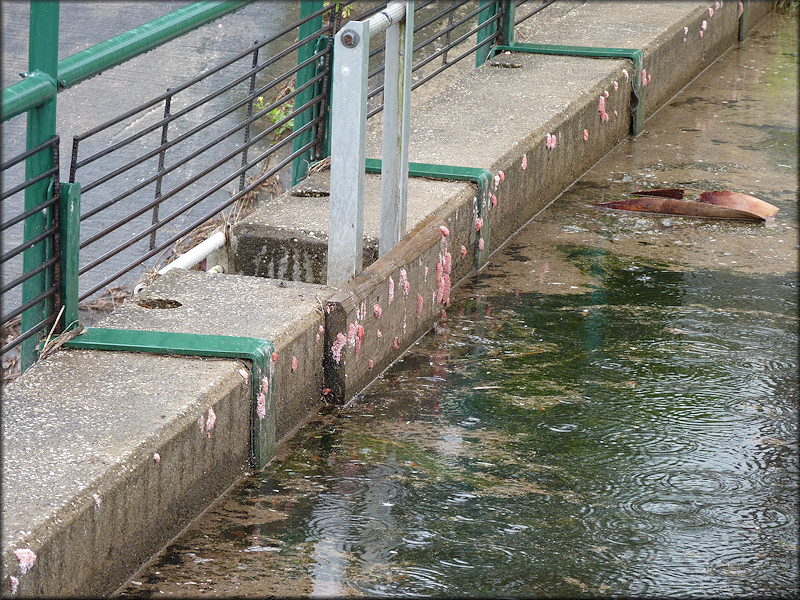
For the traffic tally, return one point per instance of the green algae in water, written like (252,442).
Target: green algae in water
(636,439)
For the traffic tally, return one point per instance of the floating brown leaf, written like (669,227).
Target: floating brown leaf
(718,204)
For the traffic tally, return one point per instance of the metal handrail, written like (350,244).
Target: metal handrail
(36,94)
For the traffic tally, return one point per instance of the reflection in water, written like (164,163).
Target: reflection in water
(633,434)
(600,443)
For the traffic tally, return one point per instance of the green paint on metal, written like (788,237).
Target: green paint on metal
(490,9)
(41,127)
(508,22)
(635,55)
(479,176)
(69,230)
(257,350)
(37,88)
(308,30)
(33,91)
(139,40)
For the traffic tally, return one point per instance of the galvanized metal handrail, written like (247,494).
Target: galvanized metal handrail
(348,137)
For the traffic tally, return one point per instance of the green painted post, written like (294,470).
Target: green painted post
(489,10)
(70,232)
(308,30)
(509,20)
(42,58)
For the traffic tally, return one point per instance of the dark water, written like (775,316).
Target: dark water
(610,407)
(639,439)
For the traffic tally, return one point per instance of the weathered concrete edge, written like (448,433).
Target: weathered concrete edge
(85,549)
(361,307)
(104,533)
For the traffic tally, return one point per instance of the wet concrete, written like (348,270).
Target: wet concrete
(736,128)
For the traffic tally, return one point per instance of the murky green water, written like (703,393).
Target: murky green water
(609,409)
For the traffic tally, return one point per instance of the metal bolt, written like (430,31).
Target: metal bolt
(350,38)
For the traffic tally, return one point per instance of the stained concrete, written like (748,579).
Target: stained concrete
(86,423)
(288,238)
(288,313)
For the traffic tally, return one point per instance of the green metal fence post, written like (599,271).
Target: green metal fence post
(43,59)
(69,226)
(509,20)
(489,11)
(307,31)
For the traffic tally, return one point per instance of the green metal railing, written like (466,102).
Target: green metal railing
(36,96)
(54,206)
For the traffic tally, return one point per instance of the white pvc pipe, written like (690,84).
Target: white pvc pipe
(393,12)
(196,254)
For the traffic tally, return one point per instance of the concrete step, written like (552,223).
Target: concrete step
(108,455)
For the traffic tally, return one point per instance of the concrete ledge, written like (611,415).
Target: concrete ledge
(289,314)
(377,316)
(288,237)
(81,430)
(81,487)
(493,118)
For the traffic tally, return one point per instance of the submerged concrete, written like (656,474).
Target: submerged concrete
(104,459)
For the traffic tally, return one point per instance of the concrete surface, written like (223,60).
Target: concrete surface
(288,313)
(82,488)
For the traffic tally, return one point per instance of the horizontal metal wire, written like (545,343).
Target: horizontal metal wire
(461,38)
(186,183)
(22,186)
(441,51)
(234,175)
(51,291)
(422,25)
(36,209)
(155,152)
(417,28)
(30,274)
(187,84)
(39,327)
(175,116)
(544,4)
(53,141)
(29,244)
(48,234)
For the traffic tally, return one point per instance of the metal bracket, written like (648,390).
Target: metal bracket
(637,56)
(257,350)
(482,177)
